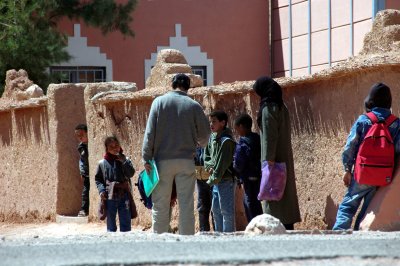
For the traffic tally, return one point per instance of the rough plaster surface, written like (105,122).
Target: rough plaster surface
(385,34)
(66,110)
(322,108)
(26,173)
(17,84)
(383,213)
(168,63)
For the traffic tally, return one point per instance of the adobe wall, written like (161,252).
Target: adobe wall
(322,107)
(66,110)
(26,172)
(322,112)
(39,176)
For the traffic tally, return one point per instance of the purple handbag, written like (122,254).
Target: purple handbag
(273,181)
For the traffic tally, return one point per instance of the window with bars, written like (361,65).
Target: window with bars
(79,74)
(201,71)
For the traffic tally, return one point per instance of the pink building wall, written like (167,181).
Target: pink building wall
(331,41)
(233,33)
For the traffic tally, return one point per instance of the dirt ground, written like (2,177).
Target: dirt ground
(56,230)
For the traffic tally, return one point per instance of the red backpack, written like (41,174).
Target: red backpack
(375,157)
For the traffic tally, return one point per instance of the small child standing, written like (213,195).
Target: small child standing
(218,158)
(113,182)
(81,135)
(378,101)
(247,165)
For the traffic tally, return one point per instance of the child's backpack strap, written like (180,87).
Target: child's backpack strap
(390,119)
(374,119)
(224,138)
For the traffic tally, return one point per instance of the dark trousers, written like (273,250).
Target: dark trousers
(85,194)
(252,205)
(121,206)
(289,226)
(204,199)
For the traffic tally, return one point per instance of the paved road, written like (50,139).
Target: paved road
(145,248)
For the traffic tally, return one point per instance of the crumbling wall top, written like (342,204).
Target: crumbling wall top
(170,62)
(19,87)
(385,34)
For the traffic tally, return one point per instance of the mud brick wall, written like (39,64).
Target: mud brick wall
(25,173)
(39,173)
(322,107)
(66,110)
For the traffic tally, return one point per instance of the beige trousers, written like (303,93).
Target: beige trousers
(183,171)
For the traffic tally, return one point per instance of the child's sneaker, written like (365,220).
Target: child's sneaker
(82,213)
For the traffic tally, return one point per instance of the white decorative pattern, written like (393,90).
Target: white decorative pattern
(193,55)
(84,55)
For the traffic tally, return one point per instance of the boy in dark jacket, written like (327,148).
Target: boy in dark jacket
(81,135)
(247,165)
(218,158)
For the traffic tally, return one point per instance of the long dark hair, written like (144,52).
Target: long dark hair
(269,92)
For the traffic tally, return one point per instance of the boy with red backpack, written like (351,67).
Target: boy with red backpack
(369,155)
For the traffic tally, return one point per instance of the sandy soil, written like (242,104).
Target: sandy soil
(56,230)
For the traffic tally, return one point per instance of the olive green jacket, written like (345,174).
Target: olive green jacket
(218,155)
(276,146)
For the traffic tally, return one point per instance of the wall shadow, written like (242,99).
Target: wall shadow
(5,128)
(331,209)
(32,124)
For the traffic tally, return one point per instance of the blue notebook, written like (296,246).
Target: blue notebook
(150,181)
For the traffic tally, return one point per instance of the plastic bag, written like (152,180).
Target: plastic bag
(273,181)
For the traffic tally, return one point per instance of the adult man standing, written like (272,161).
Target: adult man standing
(176,125)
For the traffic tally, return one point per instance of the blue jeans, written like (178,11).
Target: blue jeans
(121,206)
(223,205)
(349,206)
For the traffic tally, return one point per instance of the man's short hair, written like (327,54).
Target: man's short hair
(81,127)
(244,120)
(181,81)
(220,115)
